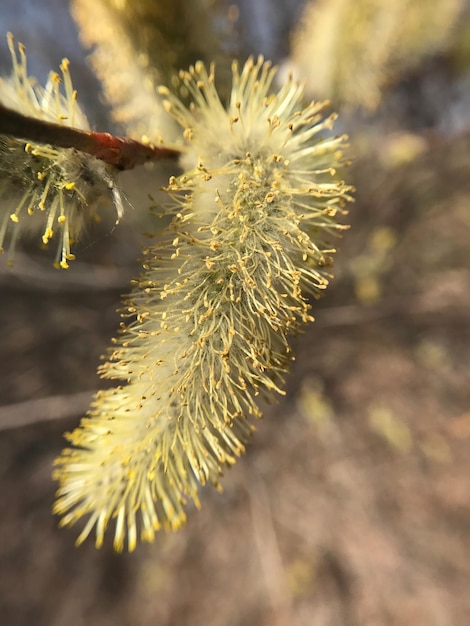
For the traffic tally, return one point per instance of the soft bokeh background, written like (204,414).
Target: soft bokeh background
(352,506)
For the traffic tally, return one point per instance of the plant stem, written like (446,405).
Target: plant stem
(120,152)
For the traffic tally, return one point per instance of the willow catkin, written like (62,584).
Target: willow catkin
(254,216)
(44,189)
(351,50)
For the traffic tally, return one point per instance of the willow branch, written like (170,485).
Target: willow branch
(121,152)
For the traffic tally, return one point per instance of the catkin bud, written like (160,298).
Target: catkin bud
(45,189)
(254,217)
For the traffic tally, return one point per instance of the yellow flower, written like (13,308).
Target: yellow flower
(43,188)
(254,216)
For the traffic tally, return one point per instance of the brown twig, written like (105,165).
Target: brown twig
(121,152)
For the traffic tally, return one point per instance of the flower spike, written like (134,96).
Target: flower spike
(254,216)
(45,188)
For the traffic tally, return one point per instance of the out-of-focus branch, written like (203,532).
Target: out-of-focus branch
(29,274)
(44,409)
(356,314)
(121,152)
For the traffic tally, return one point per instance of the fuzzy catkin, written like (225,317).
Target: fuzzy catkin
(351,50)
(47,190)
(253,219)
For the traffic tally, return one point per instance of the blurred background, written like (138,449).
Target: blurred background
(352,505)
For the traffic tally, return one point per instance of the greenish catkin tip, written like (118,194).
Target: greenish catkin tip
(254,216)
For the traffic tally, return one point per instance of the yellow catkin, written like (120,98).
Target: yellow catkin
(350,50)
(255,214)
(45,190)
